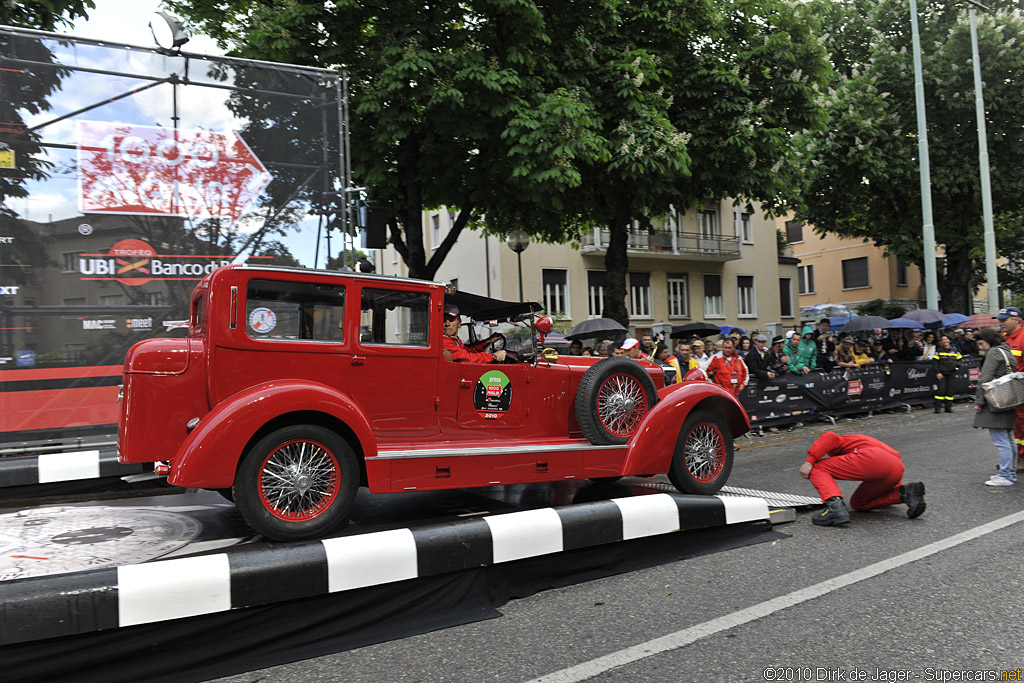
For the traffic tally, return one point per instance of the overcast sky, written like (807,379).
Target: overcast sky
(127,21)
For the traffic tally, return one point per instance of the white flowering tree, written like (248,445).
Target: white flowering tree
(862,172)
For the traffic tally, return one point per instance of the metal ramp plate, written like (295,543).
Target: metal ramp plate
(773,498)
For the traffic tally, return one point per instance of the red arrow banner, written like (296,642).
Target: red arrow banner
(147,170)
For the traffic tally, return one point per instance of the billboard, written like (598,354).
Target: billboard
(126,175)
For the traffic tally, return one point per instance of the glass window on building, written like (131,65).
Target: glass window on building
(112,300)
(746,228)
(70,259)
(901,272)
(678,296)
(806,277)
(794,231)
(595,293)
(855,273)
(786,297)
(707,222)
(746,301)
(435,230)
(640,295)
(713,304)
(555,282)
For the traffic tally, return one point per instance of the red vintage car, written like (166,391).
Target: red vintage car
(286,396)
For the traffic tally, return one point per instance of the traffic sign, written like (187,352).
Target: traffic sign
(149,170)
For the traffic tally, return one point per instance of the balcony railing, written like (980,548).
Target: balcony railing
(671,243)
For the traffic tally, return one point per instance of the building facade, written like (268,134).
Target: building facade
(717,263)
(849,271)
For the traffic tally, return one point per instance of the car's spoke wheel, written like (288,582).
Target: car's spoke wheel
(621,404)
(612,400)
(703,456)
(298,482)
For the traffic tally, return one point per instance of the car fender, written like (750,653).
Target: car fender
(652,447)
(209,456)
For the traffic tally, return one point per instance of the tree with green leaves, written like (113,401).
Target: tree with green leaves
(862,170)
(434,90)
(44,15)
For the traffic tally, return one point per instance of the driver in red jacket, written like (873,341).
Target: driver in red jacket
(858,457)
(459,350)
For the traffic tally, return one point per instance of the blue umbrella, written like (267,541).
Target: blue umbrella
(924,316)
(905,324)
(953,319)
(731,329)
(839,321)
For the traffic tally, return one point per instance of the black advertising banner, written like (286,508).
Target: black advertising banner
(828,389)
(912,382)
(873,387)
(869,386)
(778,399)
(965,381)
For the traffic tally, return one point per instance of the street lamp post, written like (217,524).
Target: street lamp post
(928,229)
(991,274)
(518,241)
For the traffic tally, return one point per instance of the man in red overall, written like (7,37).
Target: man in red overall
(1010,319)
(857,457)
(458,349)
(727,369)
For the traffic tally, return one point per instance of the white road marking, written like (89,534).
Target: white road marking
(672,641)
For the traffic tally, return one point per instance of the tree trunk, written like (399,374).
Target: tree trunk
(412,219)
(616,262)
(957,295)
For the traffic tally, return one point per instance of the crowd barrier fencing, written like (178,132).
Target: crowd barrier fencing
(792,398)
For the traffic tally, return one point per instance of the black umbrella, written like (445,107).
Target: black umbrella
(694,330)
(866,322)
(925,316)
(596,327)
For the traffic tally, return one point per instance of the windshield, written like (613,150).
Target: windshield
(517,334)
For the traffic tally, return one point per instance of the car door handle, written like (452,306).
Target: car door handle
(465,383)
(358,360)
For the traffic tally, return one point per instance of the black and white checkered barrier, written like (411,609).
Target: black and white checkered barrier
(48,468)
(81,602)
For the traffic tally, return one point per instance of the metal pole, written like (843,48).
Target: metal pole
(519,259)
(928,229)
(991,274)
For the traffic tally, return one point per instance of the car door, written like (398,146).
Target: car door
(394,368)
(493,395)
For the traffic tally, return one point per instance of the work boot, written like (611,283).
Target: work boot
(913,495)
(833,514)
(938,408)
(949,406)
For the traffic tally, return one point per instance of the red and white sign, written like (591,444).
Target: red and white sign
(147,170)
(854,388)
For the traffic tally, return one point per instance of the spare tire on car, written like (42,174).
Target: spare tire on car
(612,400)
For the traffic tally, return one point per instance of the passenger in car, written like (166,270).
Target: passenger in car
(458,350)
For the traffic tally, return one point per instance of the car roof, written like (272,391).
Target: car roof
(333,273)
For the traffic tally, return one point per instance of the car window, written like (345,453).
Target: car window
(391,316)
(280,310)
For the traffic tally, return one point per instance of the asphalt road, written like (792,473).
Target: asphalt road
(896,612)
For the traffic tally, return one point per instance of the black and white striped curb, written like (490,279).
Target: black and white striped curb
(81,602)
(47,468)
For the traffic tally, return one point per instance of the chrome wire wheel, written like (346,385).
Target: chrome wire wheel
(704,452)
(621,404)
(298,480)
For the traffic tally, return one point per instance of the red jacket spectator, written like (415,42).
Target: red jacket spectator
(728,370)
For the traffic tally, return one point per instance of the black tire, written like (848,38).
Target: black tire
(317,477)
(612,400)
(703,455)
